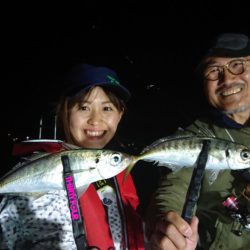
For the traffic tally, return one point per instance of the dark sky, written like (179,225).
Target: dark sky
(153,48)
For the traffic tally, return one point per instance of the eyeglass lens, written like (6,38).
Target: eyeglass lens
(235,67)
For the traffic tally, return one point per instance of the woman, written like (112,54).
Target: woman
(90,111)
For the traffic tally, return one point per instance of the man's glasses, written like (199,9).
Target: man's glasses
(235,67)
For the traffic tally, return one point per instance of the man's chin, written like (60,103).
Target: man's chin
(240,109)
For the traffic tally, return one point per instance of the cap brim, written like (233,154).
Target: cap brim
(121,91)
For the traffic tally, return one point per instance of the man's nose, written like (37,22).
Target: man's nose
(226,76)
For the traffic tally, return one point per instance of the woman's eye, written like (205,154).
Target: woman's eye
(107,108)
(84,108)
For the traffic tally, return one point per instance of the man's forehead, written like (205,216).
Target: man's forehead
(222,60)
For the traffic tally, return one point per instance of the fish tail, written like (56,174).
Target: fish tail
(130,167)
(148,157)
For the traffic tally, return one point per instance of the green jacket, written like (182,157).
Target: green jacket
(216,227)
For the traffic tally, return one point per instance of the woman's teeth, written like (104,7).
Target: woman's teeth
(94,133)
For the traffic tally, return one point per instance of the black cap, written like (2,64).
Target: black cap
(230,45)
(226,45)
(82,77)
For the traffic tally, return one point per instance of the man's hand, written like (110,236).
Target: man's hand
(175,233)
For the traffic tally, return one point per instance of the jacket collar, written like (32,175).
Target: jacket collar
(223,120)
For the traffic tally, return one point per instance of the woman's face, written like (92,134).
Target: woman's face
(94,123)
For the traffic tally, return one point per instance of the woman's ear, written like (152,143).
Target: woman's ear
(121,115)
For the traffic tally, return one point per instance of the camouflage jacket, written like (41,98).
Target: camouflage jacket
(217,228)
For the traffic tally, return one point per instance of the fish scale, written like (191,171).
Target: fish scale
(45,173)
(176,152)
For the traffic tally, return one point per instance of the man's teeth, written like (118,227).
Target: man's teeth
(94,133)
(231,91)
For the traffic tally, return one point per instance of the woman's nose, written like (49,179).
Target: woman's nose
(94,118)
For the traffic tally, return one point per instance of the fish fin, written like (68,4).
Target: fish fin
(129,169)
(34,156)
(212,175)
(180,129)
(168,138)
(171,166)
(36,195)
(32,195)
(24,161)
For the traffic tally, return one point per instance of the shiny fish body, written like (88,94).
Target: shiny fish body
(183,151)
(46,173)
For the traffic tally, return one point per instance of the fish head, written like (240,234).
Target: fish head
(114,162)
(92,165)
(238,158)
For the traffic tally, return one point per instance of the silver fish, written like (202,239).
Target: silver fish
(179,151)
(45,172)
(183,151)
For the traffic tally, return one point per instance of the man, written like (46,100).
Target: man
(222,218)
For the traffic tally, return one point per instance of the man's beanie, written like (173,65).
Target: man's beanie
(230,45)
(226,45)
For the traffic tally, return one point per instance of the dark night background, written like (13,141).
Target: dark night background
(153,47)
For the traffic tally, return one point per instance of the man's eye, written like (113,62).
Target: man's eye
(236,64)
(213,70)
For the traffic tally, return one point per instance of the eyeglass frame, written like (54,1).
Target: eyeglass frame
(221,68)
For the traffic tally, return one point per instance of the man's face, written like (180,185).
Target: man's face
(229,93)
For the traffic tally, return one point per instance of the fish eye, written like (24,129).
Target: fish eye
(245,154)
(115,159)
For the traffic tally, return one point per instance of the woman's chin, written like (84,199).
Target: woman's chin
(94,144)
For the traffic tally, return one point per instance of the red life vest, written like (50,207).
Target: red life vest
(95,218)
(93,211)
